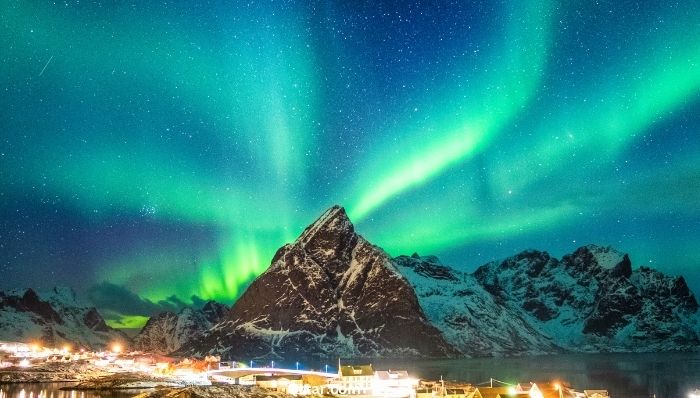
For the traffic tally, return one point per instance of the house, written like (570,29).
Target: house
(279,383)
(425,392)
(393,383)
(474,393)
(436,391)
(596,393)
(356,379)
(394,378)
(543,390)
(457,392)
(502,392)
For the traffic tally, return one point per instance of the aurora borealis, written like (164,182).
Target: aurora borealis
(156,154)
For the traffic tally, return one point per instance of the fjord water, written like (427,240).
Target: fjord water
(53,390)
(660,375)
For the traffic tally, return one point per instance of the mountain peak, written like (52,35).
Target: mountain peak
(331,292)
(606,256)
(328,241)
(332,220)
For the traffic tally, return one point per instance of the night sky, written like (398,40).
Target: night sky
(156,154)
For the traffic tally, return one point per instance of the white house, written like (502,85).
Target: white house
(356,379)
(394,383)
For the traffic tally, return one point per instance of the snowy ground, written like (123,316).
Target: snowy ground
(230,391)
(52,372)
(88,376)
(126,381)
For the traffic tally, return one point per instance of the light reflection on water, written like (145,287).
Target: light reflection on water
(659,375)
(53,390)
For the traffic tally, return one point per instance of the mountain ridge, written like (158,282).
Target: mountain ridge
(332,293)
(515,306)
(54,318)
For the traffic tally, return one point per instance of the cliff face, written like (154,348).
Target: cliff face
(592,300)
(167,331)
(471,319)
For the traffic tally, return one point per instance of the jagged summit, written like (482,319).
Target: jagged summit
(593,300)
(327,243)
(606,256)
(593,259)
(334,220)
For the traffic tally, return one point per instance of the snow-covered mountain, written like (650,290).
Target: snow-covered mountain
(471,319)
(329,293)
(592,300)
(168,331)
(54,318)
(332,293)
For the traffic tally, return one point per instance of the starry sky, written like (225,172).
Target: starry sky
(156,154)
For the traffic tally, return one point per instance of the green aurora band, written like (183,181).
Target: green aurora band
(470,125)
(230,140)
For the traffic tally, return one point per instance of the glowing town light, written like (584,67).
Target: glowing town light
(24,363)
(558,387)
(116,348)
(694,394)
(536,393)
(292,390)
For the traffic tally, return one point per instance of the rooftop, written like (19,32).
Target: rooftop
(356,370)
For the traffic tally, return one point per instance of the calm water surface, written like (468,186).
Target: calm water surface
(665,375)
(53,390)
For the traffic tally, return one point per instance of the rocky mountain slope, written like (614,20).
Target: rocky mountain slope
(472,320)
(332,293)
(329,293)
(54,318)
(168,331)
(592,300)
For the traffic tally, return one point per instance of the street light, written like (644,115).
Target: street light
(251,363)
(273,364)
(297,365)
(326,368)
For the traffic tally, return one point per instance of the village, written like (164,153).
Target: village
(356,380)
